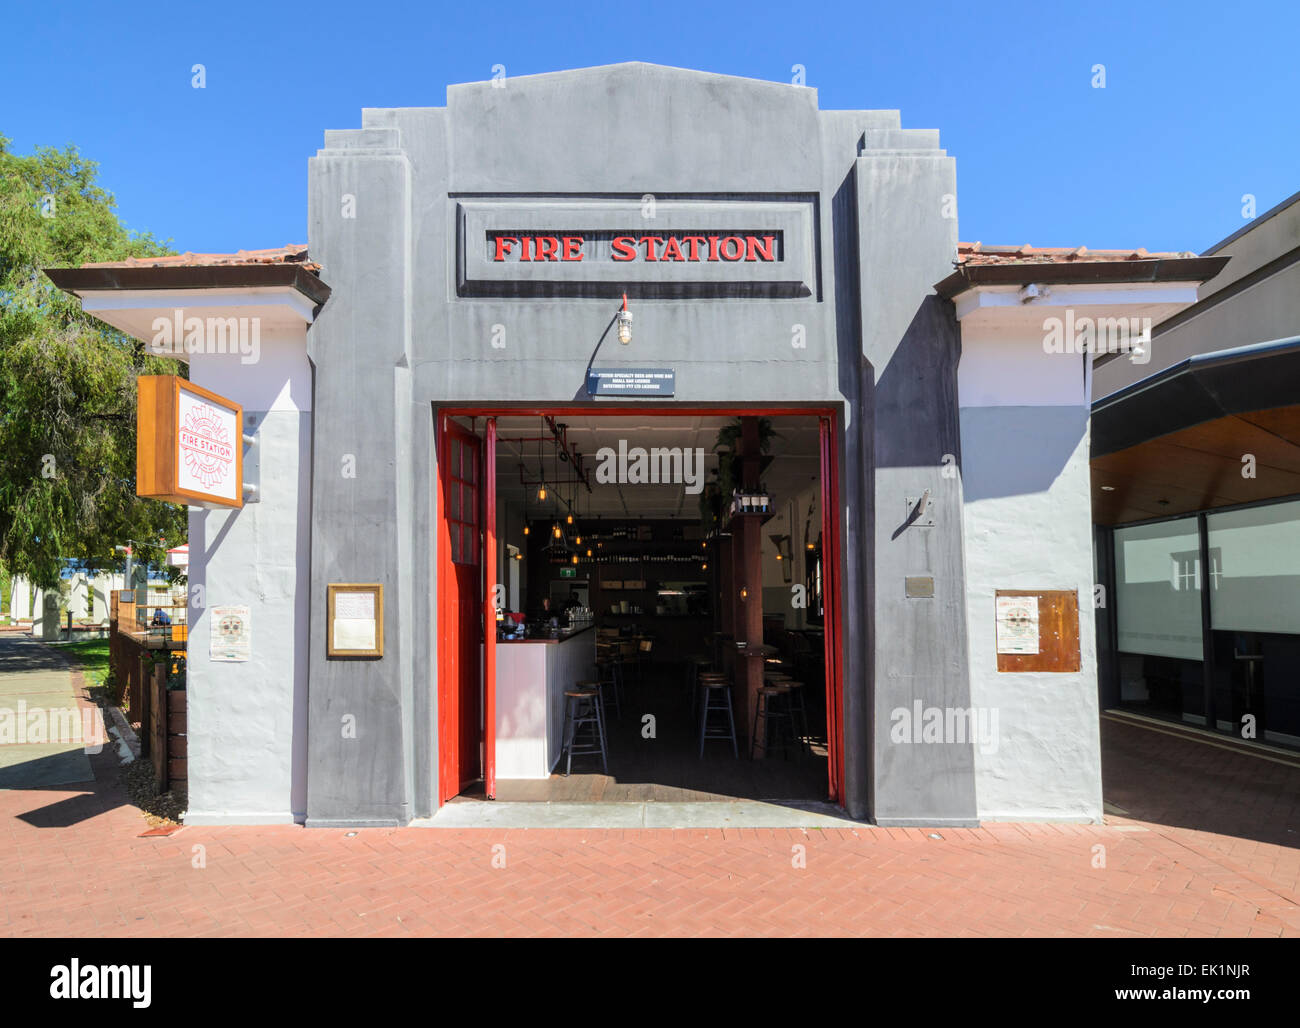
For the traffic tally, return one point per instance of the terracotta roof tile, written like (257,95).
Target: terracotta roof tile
(974,254)
(293,254)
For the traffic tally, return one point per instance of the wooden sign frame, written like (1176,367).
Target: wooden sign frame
(331,592)
(157,466)
(1058,633)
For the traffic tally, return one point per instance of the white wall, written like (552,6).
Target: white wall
(247,721)
(1028,525)
(20,599)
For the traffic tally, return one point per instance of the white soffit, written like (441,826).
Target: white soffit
(279,308)
(1012,308)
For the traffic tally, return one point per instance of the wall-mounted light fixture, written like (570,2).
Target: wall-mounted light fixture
(624,323)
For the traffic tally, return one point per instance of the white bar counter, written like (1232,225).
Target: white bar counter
(532,675)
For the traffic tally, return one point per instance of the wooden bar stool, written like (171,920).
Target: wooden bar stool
(584,727)
(775,716)
(798,713)
(694,667)
(716,688)
(610,670)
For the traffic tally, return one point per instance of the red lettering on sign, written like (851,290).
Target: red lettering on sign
(760,251)
(737,251)
(677,248)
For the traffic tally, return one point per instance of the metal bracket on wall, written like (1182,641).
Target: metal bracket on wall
(252,459)
(920,511)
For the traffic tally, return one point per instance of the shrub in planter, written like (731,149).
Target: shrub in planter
(114,691)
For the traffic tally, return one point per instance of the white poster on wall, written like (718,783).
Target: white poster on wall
(206,437)
(354,621)
(231,634)
(1017,624)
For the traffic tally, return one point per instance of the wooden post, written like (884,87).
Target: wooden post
(746,599)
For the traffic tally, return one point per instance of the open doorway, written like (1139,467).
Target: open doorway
(679,565)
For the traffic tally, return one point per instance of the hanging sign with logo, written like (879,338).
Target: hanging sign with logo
(189,444)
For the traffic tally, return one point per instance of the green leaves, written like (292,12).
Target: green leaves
(67,381)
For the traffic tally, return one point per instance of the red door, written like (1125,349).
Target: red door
(460,611)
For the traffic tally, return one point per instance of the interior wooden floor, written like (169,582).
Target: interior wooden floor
(669,768)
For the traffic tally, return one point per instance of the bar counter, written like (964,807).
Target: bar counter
(531,681)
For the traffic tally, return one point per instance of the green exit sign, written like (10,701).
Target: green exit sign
(568,572)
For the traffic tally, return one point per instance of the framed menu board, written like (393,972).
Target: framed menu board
(1037,630)
(354,619)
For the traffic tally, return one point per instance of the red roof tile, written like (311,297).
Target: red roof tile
(293,254)
(973,254)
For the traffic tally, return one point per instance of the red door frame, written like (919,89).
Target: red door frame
(451,753)
(831,608)
(490,610)
(830,491)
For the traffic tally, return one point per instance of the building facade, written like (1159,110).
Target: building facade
(472,260)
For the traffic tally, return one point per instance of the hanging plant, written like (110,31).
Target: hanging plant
(716,495)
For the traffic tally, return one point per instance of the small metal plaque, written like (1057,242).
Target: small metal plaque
(631,381)
(919,587)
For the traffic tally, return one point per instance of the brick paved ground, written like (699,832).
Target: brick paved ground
(1218,856)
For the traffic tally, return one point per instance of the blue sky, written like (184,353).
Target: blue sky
(1198,107)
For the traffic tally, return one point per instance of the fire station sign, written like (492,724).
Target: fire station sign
(651,247)
(189,444)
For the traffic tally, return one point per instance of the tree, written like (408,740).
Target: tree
(67,381)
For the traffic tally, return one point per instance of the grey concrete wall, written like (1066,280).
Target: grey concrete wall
(399,339)
(912,348)
(360,735)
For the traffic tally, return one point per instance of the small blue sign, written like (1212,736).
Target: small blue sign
(631,382)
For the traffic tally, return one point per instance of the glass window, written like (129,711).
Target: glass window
(1255,621)
(1158,618)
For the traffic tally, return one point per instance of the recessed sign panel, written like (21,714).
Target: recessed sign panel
(646,248)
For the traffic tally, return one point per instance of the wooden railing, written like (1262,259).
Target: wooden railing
(136,620)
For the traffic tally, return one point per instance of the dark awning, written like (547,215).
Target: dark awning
(1182,439)
(1201,388)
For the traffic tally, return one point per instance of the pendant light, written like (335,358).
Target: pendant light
(541,469)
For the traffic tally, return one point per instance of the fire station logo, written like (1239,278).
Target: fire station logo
(206,447)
